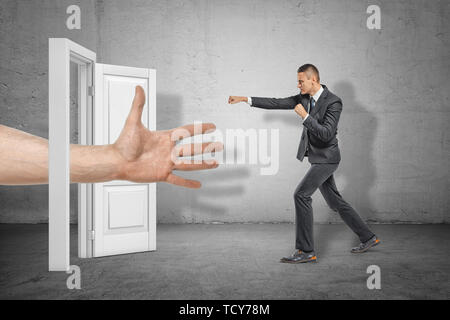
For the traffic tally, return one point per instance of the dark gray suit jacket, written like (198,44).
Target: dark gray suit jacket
(319,142)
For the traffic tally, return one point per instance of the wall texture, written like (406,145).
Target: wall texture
(393,82)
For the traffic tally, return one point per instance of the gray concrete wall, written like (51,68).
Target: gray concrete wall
(393,82)
(25,27)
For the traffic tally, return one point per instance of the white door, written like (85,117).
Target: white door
(124,213)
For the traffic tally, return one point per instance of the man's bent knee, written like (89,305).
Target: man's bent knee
(301,195)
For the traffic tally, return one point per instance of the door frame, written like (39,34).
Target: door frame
(61,52)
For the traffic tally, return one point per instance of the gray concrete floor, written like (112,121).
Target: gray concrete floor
(235,261)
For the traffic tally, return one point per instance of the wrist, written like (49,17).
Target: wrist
(118,163)
(98,163)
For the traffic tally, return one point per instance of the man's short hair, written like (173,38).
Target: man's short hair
(309,69)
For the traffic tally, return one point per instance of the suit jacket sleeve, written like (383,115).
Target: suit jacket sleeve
(327,130)
(274,103)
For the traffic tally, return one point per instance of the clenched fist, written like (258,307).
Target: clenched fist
(300,110)
(236,99)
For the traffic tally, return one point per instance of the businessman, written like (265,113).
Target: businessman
(319,110)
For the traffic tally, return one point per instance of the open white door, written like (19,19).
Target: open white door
(115,217)
(124,213)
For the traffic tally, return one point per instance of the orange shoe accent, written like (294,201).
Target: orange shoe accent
(376,241)
(313,258)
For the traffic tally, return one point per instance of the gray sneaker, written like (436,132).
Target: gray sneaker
(300,257)
(364,246)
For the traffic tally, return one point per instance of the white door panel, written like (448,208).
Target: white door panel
(124,212)
(119,92)
(130,199)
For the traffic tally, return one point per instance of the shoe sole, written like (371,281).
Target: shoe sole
(301,261)
(377,242)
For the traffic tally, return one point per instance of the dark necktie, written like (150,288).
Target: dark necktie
(312,103)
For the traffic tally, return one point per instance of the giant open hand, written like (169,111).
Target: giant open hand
(150,156)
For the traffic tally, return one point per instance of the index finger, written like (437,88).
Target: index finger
(192,130)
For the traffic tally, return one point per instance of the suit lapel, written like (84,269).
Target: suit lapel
(321,102)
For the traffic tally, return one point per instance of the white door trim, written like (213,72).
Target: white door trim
(61,52)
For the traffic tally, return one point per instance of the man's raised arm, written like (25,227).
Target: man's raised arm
(268,103)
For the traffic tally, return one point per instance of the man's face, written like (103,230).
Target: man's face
(304,84)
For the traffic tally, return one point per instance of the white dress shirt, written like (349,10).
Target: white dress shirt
(316,97)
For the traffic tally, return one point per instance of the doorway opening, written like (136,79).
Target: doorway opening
(81,127)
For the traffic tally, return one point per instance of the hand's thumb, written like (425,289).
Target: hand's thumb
(138,105)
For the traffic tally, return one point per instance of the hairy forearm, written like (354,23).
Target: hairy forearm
(94,164)
(24,160)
